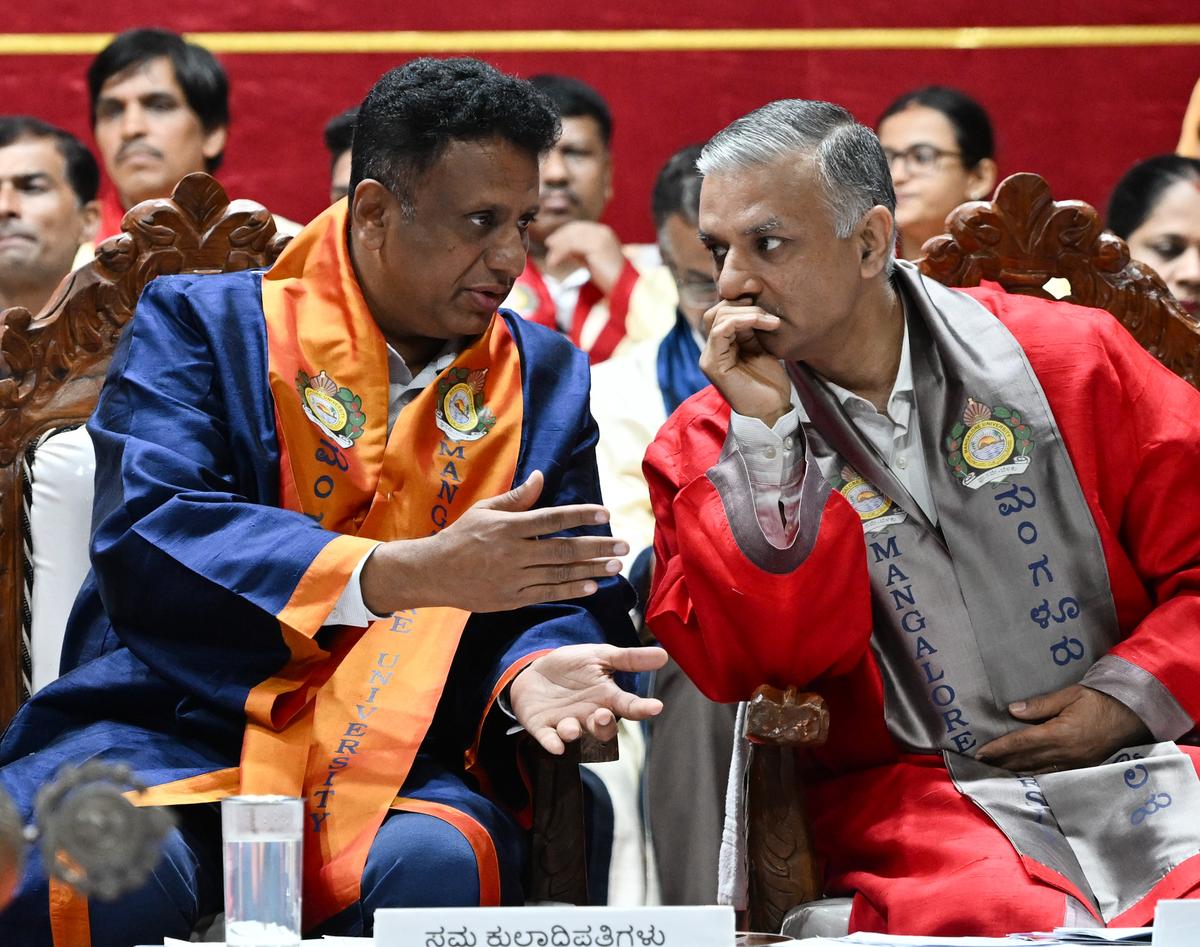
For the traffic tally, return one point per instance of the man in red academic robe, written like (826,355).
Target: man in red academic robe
(967,519)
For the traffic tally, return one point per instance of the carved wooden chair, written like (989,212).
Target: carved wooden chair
(1021,239)
(54,365)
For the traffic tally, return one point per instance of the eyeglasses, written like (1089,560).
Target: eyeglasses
(919,159)
(697,294)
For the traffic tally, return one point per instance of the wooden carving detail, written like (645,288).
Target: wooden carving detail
(54,362)
(62,352)
(1023,237)
(783,870)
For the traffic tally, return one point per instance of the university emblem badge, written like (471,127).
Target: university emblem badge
(988,444)
(460,411)
(874,507)
(335,410)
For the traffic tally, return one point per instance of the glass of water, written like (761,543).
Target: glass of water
(261,836)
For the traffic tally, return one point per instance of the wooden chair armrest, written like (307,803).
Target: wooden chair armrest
(782,865)
(789,717)
(558,848)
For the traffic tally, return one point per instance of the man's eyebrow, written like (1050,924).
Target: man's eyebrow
(771,223)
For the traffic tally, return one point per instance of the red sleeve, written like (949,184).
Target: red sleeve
(1159,528)
(1132,429)
(734,611)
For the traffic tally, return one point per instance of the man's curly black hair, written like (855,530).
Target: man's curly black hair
(415,111)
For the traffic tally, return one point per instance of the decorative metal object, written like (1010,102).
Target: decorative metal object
(90,834)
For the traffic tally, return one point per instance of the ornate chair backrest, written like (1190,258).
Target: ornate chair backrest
(1023,238)
(54,365)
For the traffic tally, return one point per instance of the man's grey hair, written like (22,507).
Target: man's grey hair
(848,157)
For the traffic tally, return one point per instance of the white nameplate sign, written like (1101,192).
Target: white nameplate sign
(555,926)
(1177,924)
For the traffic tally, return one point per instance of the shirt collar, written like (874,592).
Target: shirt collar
(400,375)
(900,400)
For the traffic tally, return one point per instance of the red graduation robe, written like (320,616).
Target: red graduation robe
(890,827)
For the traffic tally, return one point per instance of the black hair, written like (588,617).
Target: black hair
(203,80)
(972,127)
(576,99)
(415,111)
(1141,187)
(339,133)
(83,174)
(677,187)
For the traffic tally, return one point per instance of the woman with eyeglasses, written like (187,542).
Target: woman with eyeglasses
(1155,208)
(938,142)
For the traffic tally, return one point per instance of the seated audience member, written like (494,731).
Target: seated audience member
(293,531)
(578,279)
(339,136)
(938,143)
(969,519)
(690,743)
(159,111)
(48,208)
(1155,208)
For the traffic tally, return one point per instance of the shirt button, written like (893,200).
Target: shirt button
(769,453)
(789,443)
(902,462)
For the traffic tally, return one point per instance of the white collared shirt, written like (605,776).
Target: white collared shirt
(565,293)
(774,462)
(403,387)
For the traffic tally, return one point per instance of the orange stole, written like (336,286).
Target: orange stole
(342,729)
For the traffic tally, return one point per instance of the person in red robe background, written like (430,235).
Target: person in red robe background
(967,519)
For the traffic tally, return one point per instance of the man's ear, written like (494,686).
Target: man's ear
(89,216)
(876,233)
(214,142)
(371,207)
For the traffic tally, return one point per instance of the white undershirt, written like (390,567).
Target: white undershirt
(565,293)
(403,387)
(773,457)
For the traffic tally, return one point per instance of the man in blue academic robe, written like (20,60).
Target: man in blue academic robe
(345,530)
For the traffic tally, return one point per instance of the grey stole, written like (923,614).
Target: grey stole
(1005,598)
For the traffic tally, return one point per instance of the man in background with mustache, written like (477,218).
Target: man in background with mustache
(159,111)
(48,183)
(579,279)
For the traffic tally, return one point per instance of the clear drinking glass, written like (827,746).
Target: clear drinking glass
(261,836)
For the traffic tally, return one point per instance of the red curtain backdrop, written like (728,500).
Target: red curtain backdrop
(1079,115)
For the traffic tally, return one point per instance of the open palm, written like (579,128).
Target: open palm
(571,689)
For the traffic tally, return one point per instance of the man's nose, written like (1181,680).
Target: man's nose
(133,121)
(554,167)
(10,201)
(506,257)
(737,281)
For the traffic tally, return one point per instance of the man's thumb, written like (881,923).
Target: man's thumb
(520,498)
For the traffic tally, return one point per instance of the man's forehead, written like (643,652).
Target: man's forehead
(487,170)
(32,156)
(755,199)
(149,75)
(579,128)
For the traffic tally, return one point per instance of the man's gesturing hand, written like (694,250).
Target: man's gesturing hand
(751,379)
(491,558)
(571,689)
(1079,727)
